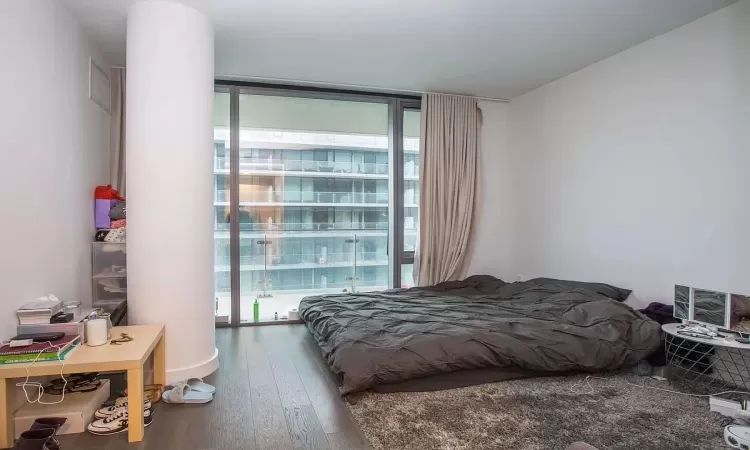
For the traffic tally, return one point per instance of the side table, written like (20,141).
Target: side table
(706,365)
(128,356)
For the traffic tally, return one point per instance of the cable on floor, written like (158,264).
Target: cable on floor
(591,388)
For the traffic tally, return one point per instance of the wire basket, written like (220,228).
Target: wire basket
(708,369)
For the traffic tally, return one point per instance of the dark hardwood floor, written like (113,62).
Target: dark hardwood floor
(273,391)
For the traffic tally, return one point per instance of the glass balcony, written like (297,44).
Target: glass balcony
(277,165)
(279,268)
(280,262)
(221,196)
(372,168)
(258,229)
(264,195)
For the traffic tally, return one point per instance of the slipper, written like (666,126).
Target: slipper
(197,384)
(182,393)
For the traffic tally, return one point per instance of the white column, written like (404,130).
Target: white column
(169,139)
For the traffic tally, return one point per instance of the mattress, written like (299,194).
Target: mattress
(550,326)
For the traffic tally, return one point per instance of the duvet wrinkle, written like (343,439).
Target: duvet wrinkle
(393,336)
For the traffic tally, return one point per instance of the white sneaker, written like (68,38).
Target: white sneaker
(114,409)
(116,423)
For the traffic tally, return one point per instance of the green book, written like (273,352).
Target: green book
(29,356)
(49,354)
(18,359)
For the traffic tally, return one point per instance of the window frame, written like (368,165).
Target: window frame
(397,104)
(396,183)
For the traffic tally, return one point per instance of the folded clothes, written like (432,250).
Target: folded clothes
(116,235)
(117,223)
(111,235)
(118,211)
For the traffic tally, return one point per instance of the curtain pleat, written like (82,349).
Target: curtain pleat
(117,130)
(447,174)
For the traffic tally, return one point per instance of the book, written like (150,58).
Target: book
(39,311)
(34,320)
(37,347)
(44,304)
(51,353)
(29,358)
(29,355)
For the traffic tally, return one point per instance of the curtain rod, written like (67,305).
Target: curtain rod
(343,86)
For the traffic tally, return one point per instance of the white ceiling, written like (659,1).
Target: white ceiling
(489,48)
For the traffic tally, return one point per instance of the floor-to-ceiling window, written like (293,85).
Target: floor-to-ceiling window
(222,248)
(410,173)
(306,201)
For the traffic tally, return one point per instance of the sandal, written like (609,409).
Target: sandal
(71,387)
(149,390)
(197,384)
(153,392)
(182,393)
(76,378)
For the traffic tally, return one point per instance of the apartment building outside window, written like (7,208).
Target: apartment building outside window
(310,181)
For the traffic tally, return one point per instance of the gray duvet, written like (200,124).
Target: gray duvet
(377,338)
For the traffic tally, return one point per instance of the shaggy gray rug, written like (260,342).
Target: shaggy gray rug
(541,413)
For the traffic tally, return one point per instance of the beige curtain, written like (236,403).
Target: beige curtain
(117,130)
(447,174)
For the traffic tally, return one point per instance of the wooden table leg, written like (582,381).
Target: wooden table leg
(7,433)
(160,363)
(135,405)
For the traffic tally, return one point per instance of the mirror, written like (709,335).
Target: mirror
(681,302)
(711,307)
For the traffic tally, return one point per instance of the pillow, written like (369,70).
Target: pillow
(607,290)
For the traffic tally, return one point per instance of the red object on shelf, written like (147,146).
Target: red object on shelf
(107,193)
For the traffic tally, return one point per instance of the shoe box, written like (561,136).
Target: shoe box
(78,408)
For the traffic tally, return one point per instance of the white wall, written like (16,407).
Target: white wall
(636,170)
(492,222)
(54,147)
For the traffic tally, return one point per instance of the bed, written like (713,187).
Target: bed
(480,325)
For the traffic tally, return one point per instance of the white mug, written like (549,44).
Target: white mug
(96,332)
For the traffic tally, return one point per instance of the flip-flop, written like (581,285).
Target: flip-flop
(182,393)
(197,384)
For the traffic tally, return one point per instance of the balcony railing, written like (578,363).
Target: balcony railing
(319,259)
(287,228)
(276,165)
(335,260)
(302,289)
(264,196)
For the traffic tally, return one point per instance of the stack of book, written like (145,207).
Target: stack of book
(39,351)
(39,312)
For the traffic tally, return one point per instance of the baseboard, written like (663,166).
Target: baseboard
(199,370)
